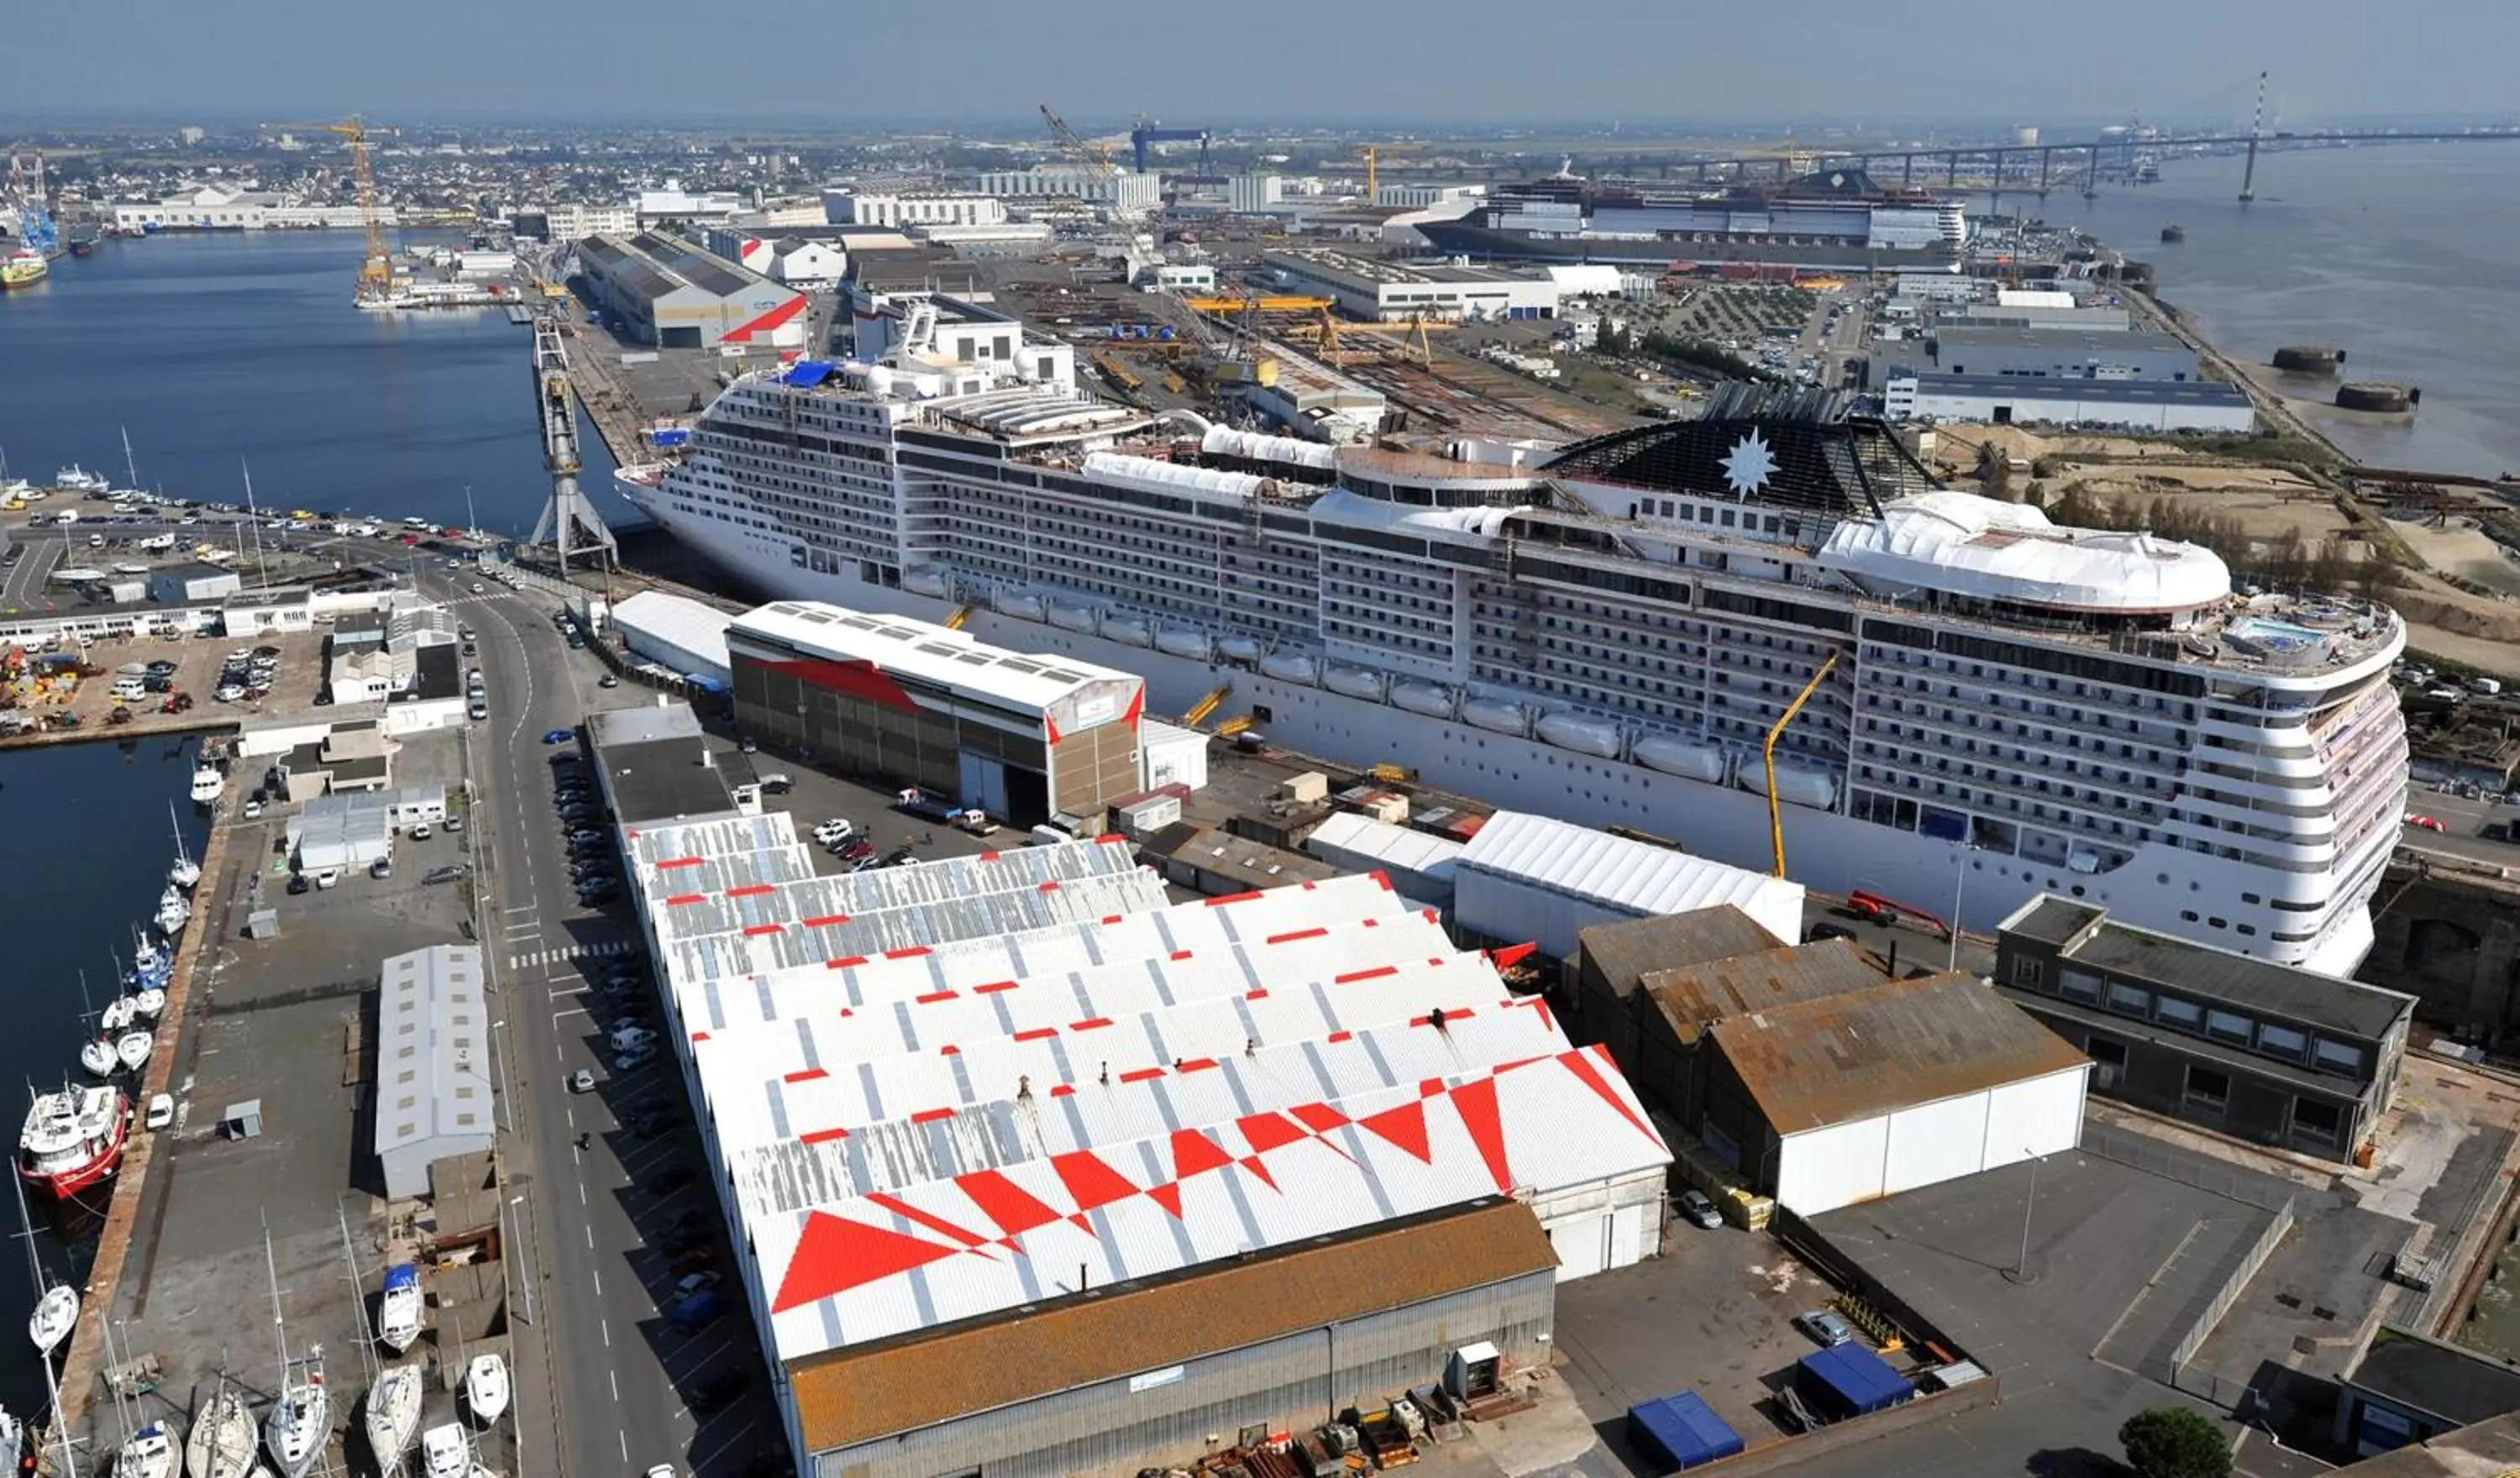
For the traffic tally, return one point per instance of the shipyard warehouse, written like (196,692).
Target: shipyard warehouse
(1034,1171)
(668,293)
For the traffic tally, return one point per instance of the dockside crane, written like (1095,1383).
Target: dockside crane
(568,516)
(1093,156)
(376,274)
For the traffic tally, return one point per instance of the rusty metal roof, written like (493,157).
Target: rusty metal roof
(1622,953)
(1898,1045)
(870,1391)
(1695,997)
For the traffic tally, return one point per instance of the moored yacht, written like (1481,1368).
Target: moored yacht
(72,1139)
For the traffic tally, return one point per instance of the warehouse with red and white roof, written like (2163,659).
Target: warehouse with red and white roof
(1035,1169)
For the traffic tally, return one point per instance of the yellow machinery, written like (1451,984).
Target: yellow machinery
(1199,710)
(1262,304)
(1373,153)
(961,614)
(1328,330)
(1768,757)
(1234,726)
(376,274)
(1121,375)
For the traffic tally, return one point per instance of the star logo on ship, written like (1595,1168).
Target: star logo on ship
(1750,465)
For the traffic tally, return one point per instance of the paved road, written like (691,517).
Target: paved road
(620,1379)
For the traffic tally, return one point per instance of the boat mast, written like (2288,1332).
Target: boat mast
(279,1326)
(368,1362)
(35,1267)
(129,471)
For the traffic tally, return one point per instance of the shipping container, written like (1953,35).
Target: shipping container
(1850,1380)
(1680,1432)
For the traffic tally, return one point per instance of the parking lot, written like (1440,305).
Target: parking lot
(297,683)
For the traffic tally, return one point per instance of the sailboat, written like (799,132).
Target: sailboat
(485,1388)
(398,1312)
(183,873)
(301,1419)
(56,1314)
(156,1451)
(95,1054)
(119,1012)
(132,1047)
(393,1415)
(222,1441)
(147,1003)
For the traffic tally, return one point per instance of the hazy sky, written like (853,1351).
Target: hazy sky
(1289,61)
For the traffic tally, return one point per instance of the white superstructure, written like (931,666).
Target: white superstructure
(1606,633)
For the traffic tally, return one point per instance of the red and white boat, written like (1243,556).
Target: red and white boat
(73,1139)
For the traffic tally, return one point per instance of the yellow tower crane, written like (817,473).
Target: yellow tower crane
(376,274)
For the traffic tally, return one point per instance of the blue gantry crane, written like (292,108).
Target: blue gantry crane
(1148,131)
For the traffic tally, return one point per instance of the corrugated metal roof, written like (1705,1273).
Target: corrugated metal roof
(943,884)
(1208,926)
(1692,998)
(725,836)
(976,1006)
(1611,871)
(995,1240)
(851,1397)
(1042,1117)
(915,925)
(1898,1045)
(655,618)
(950,660)
(1347,835)
(1623,954)
(750,1078)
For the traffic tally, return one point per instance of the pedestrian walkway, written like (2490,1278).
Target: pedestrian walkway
(599,950)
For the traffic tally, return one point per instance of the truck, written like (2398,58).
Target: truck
(156,543)
(928,805)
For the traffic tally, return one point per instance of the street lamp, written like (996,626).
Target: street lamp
(1959,884)
(2020,1273)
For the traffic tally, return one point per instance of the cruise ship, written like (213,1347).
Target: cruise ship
(1835,220)
(1606,632)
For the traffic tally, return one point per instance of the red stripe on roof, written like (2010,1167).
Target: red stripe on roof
(699,1036)
(805,1075)
(1037,1034)
(826,921)
(1342,1036)
(679,898)
(1181,953)
(949,1050)
(757,889)
(910,952)
(930,1116)
(1108,839)
(678,862)
(1375,974)
(1052,887)
(1291,937)
(845,962)
(1457,1013)
(823,1135)
(989,856)
(1112,917)
(995,986)
(932,997)
(1232,898)
(1089,1023)
(1194,1064)
(1257,993)
(762,928)
(1381,877)
(1141,1075)
(1062,1091)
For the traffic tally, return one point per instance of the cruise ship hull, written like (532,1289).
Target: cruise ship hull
(1827,851)
(1469,239)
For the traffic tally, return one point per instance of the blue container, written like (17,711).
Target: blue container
(1849,1380)
(1680,1432)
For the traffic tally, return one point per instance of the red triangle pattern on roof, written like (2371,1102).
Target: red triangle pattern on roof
(1477,1102)
(1014,1209)
(1403,1126)
(1090,1181)
(836,1254)
(1588,1072)
(1266,1132)
(1194,1153)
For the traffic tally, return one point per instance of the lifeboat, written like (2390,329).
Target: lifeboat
(1130,629)
(1498,714)
(1354,682)
(1290,667)
(1239,648)
(1799,785)
(1583,736)
(1434,699)
(1681,758)
(926,582)
(1184,642)
(1022,606)
(1071,616)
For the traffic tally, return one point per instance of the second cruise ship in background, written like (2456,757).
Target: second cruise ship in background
(1606,632)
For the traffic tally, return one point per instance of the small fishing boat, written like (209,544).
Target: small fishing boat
(148,1002)
(443,1452)
(207,783)
(56,1314)
(95,1054)
(485,1388)
(132,1048)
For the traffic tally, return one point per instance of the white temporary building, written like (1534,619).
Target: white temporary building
(1530,880)
(432,1063)
(1171,755)
(1418,864)
(677,631)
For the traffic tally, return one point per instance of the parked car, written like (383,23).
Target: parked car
(607,681)
(1823,1327)
(581,1080)
(1694,1206)
(446,873)
(558,736)
(723,1387)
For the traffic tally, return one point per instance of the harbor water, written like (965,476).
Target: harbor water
(2400,255)
(85,840)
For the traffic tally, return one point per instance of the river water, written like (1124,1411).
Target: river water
(2399,255)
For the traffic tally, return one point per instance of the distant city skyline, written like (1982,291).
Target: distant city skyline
(1651,65)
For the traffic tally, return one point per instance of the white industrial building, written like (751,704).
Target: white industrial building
(675,204)
(1397,292)
(2064,355)
(432,1078)
(1253,194)
(1122,192)
(231,207)
(669,293)
(2152,405)
(677,632)
(1184,276)
(1853,1096)
(849,208)
(935,1095)
(1415,195)
(1528,878)
(1419,863)
(1171,755)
